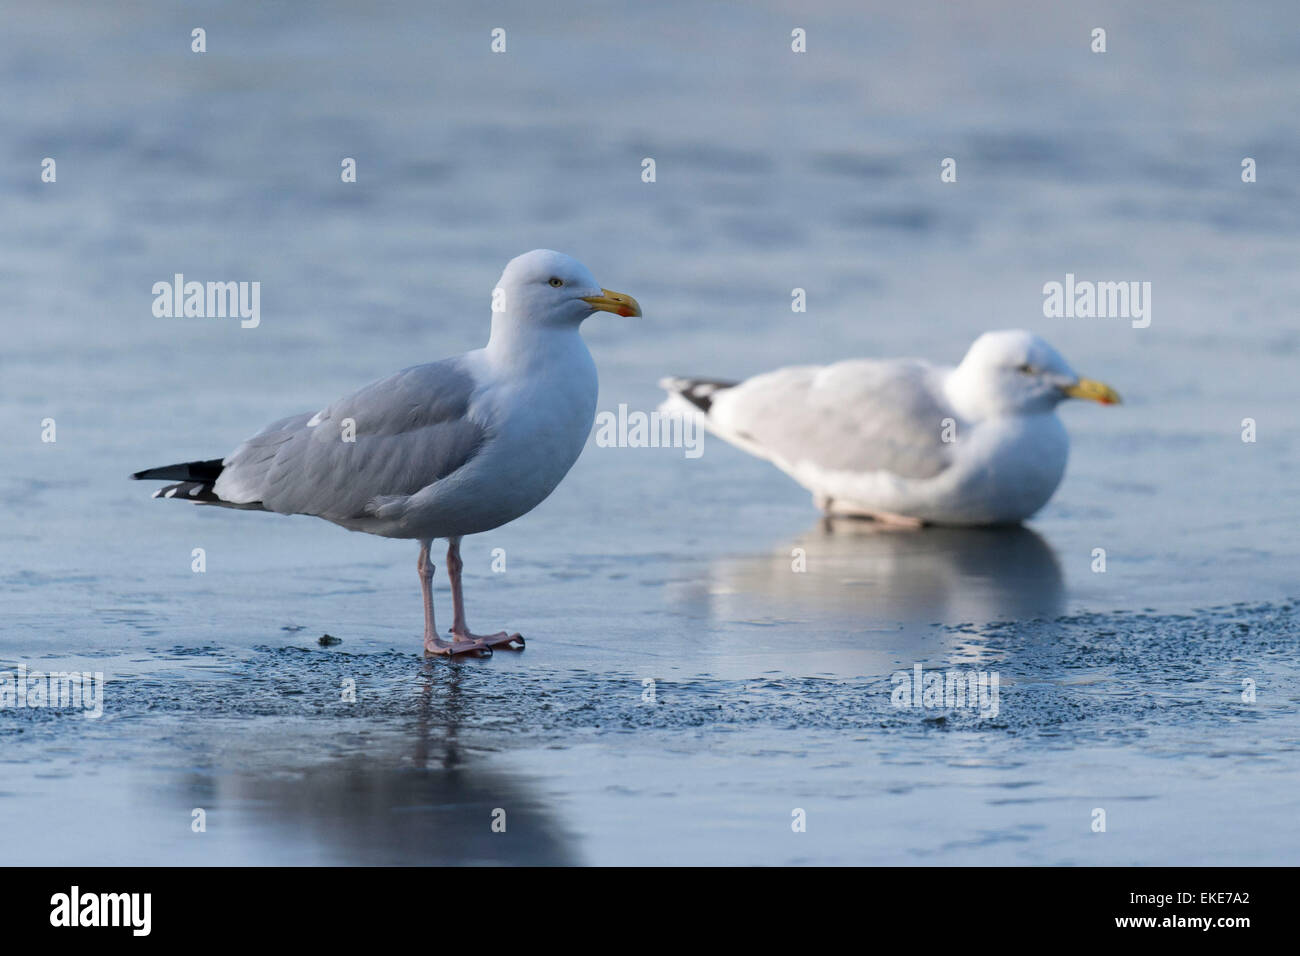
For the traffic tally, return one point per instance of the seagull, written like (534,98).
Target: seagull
(903,441)
(442,450)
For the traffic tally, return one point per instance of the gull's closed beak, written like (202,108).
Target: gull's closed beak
(1093,390)
(619,303)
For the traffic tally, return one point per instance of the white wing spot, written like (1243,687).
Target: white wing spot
(317,418)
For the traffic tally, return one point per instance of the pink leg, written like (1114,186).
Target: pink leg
(843,509)
(431,643)
(459,629)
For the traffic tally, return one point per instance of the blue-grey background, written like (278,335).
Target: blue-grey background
(775,170)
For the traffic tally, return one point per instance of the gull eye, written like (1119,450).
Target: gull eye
(1026,368)
(556,281)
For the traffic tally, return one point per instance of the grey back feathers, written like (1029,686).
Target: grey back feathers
(813,414)
(407,431)
(387,440)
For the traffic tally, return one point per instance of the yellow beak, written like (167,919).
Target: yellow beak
(1093,390)
(617,302)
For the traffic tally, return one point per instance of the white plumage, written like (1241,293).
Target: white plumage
(906,440)
(440,450)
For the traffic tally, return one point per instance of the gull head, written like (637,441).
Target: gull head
(549,288)
(1016,372)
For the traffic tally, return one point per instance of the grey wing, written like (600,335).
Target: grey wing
(388,439)
(859,416)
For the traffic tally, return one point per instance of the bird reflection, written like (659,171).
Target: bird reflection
(880,574)
(397,796)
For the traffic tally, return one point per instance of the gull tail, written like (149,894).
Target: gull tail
(693,394)
(194,481)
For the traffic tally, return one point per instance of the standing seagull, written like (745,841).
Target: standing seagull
(904,441)
(441,450)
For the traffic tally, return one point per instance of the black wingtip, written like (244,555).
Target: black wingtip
(195,491)
(698,391)
(201,471)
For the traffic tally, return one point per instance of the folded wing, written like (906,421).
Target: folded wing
(389,439)
(858,416)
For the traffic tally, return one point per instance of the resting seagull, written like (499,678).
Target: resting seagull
(441,450)
(904,441)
